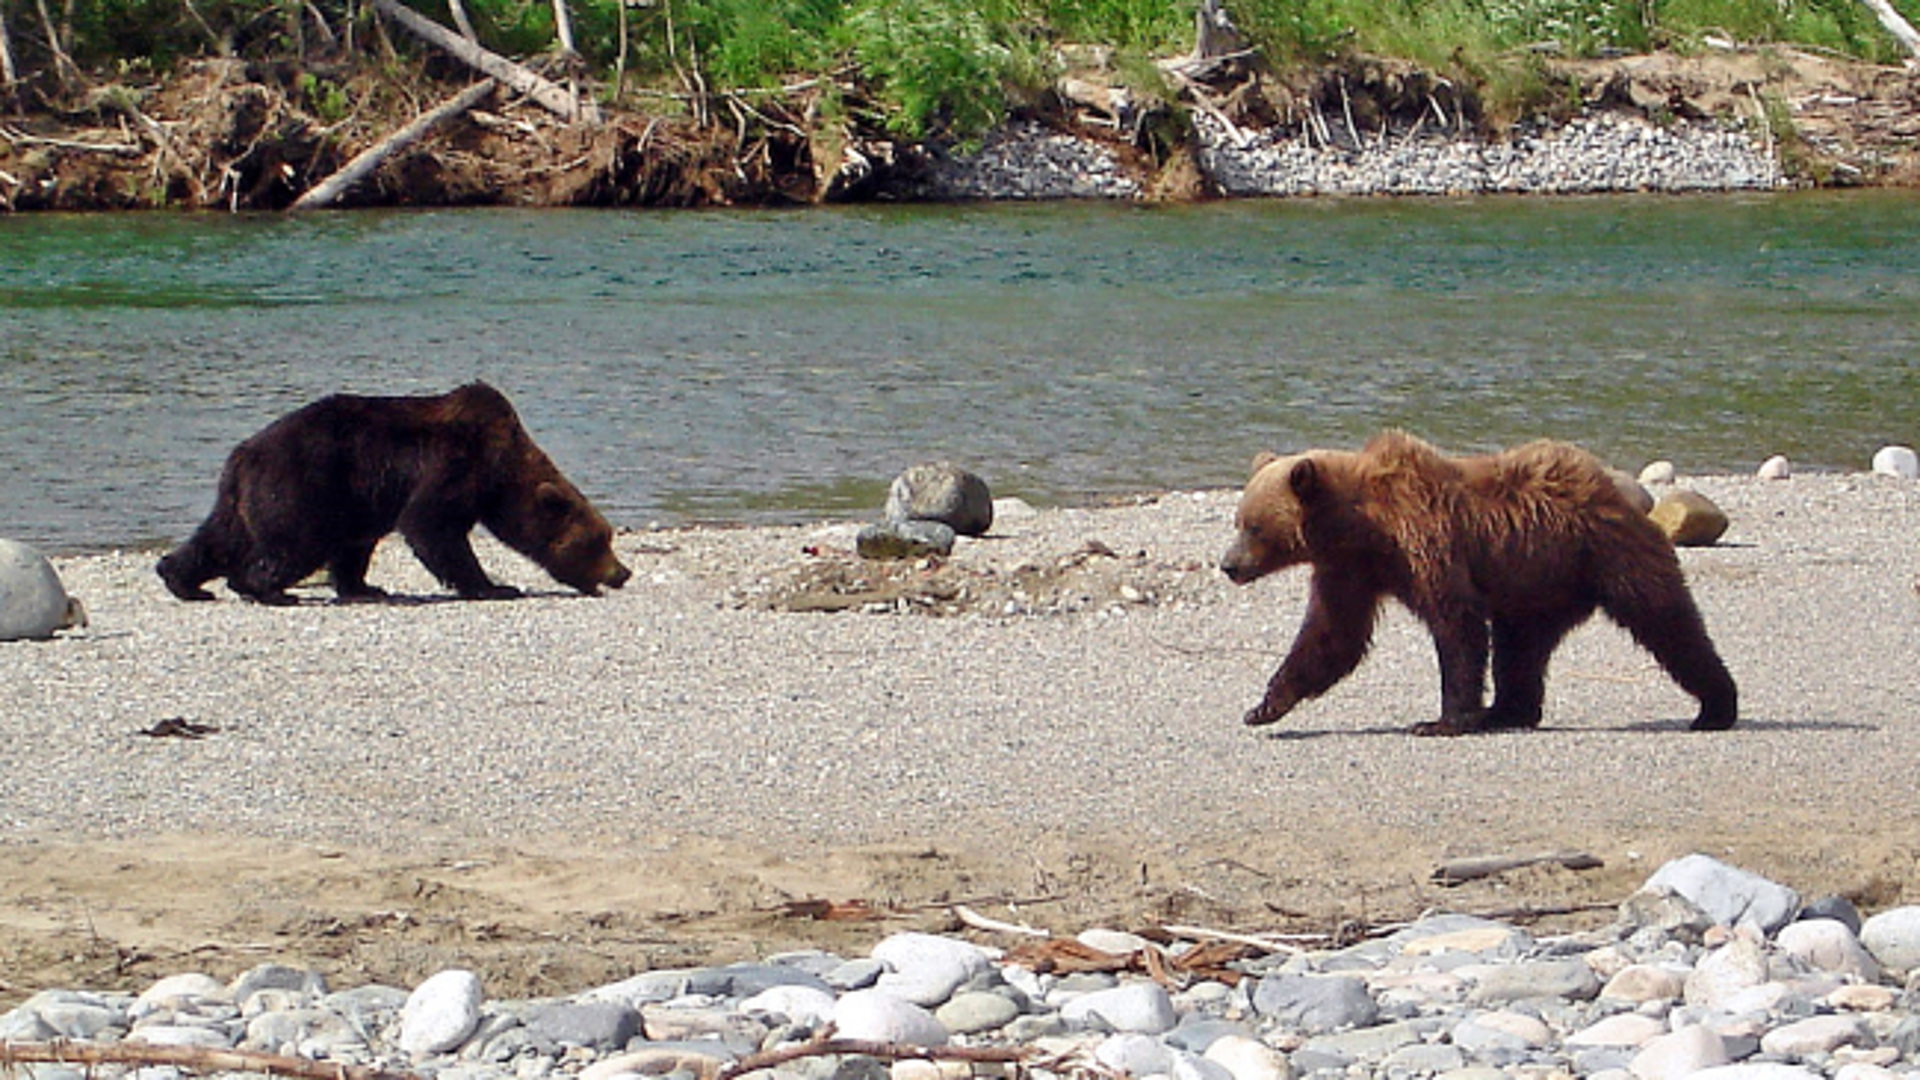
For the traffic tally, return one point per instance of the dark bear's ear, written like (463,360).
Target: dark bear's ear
(1306,481)
(552,499)
(1263,459)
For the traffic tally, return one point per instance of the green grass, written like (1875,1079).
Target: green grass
(951,67)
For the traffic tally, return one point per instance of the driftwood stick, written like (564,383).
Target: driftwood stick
(21,138)
(328,191)
(1201,933)
(980,922)
(195,1058)
(821,1047)
(547,95)
(1899,27)
(1457,871)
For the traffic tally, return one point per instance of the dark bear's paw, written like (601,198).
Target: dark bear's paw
(276,598)
(362,594)
(1715,720)
(177,583)
(1507,719)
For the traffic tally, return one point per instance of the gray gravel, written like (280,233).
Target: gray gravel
(673,708)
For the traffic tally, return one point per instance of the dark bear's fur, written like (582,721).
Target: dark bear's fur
(1515,549)
(322,485)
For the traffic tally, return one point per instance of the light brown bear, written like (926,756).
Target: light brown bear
(1513,549)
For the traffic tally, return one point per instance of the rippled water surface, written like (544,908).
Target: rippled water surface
(776,366)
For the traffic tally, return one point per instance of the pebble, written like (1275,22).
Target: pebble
(1898,461)
(1707,975)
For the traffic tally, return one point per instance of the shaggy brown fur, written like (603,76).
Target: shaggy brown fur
(322,485)
(1513,549)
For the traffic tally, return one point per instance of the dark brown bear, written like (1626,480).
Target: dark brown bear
(1517,548)
(322,485)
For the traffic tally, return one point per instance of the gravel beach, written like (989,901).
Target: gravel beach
(559,790)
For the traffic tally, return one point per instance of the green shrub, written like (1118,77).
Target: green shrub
(943,66)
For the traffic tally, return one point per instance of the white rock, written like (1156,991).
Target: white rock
(1249,1059)
(177,991)
(1863,998)
(1141,1007)
(927,968)
(653,1061)
(1620,1029)
(1680,1053)
(1898,461)
(922,1069)
(1658,472)
(1816,1035)
(1893,937)
(33,603)
(1132,1054)
(441,1012)
(1829,946)
(1640,983)
(179,1035)
(1760,1070)
(1117,942)
(1862,1071)
(1734,967)
(799,1004)
(1187,1066)
(1528,1029)
(1729,895)
(885,1017)
(1776,467)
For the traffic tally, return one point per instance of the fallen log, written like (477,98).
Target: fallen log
(192,1058)
(1459,871)
(328,191)
(550,96)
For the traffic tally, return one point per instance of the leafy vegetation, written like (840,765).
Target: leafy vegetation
(927,66)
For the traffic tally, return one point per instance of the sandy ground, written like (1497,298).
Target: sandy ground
(759,731)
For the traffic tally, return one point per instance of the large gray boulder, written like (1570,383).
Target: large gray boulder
(33,603)
(944,492)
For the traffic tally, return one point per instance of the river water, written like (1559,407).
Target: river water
(772,366)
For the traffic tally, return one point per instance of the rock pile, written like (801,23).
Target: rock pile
(1708,971)
(1605,152)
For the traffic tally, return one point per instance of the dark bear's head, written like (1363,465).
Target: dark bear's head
(1269,534)
(570,540)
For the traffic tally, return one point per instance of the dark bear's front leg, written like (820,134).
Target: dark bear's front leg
(348,568)
(1332,640)
(1461,640)
(443,548)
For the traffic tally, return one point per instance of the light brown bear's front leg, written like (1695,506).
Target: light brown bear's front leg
(1460,637)
(1332,640)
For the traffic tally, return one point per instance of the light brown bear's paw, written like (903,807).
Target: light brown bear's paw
(1268,712)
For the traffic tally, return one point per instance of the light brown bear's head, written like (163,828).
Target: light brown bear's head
(1269,533)
(571,541)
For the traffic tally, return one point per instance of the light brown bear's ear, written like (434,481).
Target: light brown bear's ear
(1305,480)
(1262,459)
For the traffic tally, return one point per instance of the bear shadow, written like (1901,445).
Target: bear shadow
(1677,726)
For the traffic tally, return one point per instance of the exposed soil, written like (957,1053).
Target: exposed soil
(231,134)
